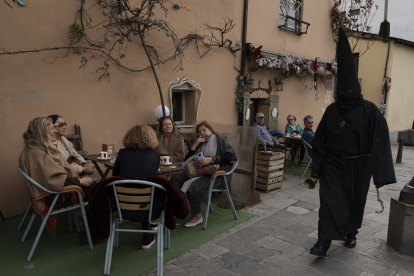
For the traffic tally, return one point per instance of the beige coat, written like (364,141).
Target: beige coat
(44,170)
(68,151)
(175,149)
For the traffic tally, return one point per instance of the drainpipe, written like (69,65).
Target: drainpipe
(385,25)
(384,80)
(243,57)
(384,84)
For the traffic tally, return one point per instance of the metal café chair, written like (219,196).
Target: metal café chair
(24,217)
(226,191)
(307,156)
(131,199)
(67,189)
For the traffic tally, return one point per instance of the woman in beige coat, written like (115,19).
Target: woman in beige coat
(44,164)
(171,143)
(68,152)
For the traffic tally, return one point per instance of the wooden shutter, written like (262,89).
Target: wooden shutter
(273,104)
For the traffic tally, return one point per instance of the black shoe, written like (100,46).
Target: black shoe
(318,250)
(350,242)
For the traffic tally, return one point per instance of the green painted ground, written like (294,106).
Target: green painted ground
(296,170)
(61,255)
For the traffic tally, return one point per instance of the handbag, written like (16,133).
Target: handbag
(195,170)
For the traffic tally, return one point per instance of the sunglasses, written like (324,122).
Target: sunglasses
(308,117)
(61,124)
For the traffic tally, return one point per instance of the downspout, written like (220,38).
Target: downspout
(384,88)
(243,56)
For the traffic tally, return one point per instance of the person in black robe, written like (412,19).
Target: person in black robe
(351,145)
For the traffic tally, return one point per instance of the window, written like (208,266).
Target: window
(178,102)
(356,61)
(290,14)
(354,12)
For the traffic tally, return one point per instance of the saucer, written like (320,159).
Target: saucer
(99,158)
(165,164)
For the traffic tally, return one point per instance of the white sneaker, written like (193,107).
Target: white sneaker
(154,226)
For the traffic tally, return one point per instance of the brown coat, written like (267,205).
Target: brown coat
(175,149)
(45,171)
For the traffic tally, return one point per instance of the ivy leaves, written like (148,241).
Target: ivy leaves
(75,31)
(240,93)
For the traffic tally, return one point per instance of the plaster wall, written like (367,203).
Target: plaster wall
(104,109)
(400,98)
(263,29)
(318,42)
(371,67)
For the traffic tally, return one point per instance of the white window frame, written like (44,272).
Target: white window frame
(183,105)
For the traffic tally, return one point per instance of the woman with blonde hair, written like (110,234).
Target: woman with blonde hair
(215,150)
(139,159)
(44,164)
(171,143)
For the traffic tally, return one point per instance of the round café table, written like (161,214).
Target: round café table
(293,144)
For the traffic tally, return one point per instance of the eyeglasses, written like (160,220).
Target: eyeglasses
(308,117)
(290,119)
(60,124)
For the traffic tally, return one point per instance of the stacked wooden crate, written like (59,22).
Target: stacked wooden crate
(269,170)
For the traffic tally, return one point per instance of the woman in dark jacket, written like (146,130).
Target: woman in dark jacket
(216,150)
(139,159)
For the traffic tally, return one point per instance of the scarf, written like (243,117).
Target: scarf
(208,148)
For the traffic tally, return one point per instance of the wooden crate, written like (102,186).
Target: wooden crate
(269,170)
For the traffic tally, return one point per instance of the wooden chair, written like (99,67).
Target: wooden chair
(131,199)
(288,151)
(66,189)
(76,139)
(226,191)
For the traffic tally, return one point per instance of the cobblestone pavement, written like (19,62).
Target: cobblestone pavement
(277,240)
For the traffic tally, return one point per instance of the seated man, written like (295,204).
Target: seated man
(308,133)
(264,135)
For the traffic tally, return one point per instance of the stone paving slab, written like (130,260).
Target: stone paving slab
(277,240)
(364,263)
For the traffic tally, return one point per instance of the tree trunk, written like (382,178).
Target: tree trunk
(155,74)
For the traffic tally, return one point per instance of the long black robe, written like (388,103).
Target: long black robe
(344,182)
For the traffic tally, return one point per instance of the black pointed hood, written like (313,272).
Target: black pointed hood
(347,75)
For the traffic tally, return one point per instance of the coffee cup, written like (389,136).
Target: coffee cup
(166,160)
(104,155)
(287,134)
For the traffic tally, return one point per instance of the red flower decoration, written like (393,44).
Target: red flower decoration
(257,52)
(329,66)
(315,64)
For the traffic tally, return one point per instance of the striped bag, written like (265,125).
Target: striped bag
(194,169)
